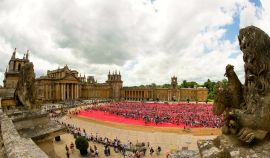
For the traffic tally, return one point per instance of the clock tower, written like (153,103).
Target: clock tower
(174,88)
(174,82)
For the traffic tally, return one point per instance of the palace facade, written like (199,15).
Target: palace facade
(165,94)
(65,84)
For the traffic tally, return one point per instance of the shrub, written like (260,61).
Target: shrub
(82,144)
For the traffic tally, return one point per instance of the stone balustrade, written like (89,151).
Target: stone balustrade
(15,146)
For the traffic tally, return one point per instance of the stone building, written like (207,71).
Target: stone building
(11,77)
(65,84)
(25,130)
(165,94)
(59,85)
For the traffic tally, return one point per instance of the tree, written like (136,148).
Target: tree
(166,86)
(184,84)
(82,145)
(190,84)
(224,82)
(210,86)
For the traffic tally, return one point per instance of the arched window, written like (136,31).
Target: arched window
(19,67)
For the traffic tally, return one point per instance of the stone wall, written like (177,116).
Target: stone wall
(14,146)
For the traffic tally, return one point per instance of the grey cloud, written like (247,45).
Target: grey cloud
(98,35)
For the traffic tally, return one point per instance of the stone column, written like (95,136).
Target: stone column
(51,92)
(67,91)
(75,91)
(47,92)
(79,93)
(48,88)
(57,94)
(61,91)
(64,91)
(45,87)
(72,97)
(78,96)
(70,91)
(129,95)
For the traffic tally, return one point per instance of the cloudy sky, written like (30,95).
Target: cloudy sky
(147,40)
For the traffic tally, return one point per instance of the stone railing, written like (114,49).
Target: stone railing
(16,146)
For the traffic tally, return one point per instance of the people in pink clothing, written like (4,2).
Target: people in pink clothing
(184,114)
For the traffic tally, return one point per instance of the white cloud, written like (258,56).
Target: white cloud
(148,42)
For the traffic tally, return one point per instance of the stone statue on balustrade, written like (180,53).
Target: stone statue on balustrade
(245,107)
(25,93)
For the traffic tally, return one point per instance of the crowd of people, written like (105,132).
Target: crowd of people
(130,149)
(187,114)
(182,114)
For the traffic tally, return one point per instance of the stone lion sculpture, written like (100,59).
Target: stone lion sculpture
(246,108)
(25,93)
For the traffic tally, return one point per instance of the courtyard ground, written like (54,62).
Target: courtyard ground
(168,138)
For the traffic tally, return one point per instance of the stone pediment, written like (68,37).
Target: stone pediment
(70,77)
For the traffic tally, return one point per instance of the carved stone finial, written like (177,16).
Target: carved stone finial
(27,54)
(13,54)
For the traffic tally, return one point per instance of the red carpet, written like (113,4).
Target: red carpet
(98,115)
(177,115)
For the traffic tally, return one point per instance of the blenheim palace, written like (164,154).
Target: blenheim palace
(64,84)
